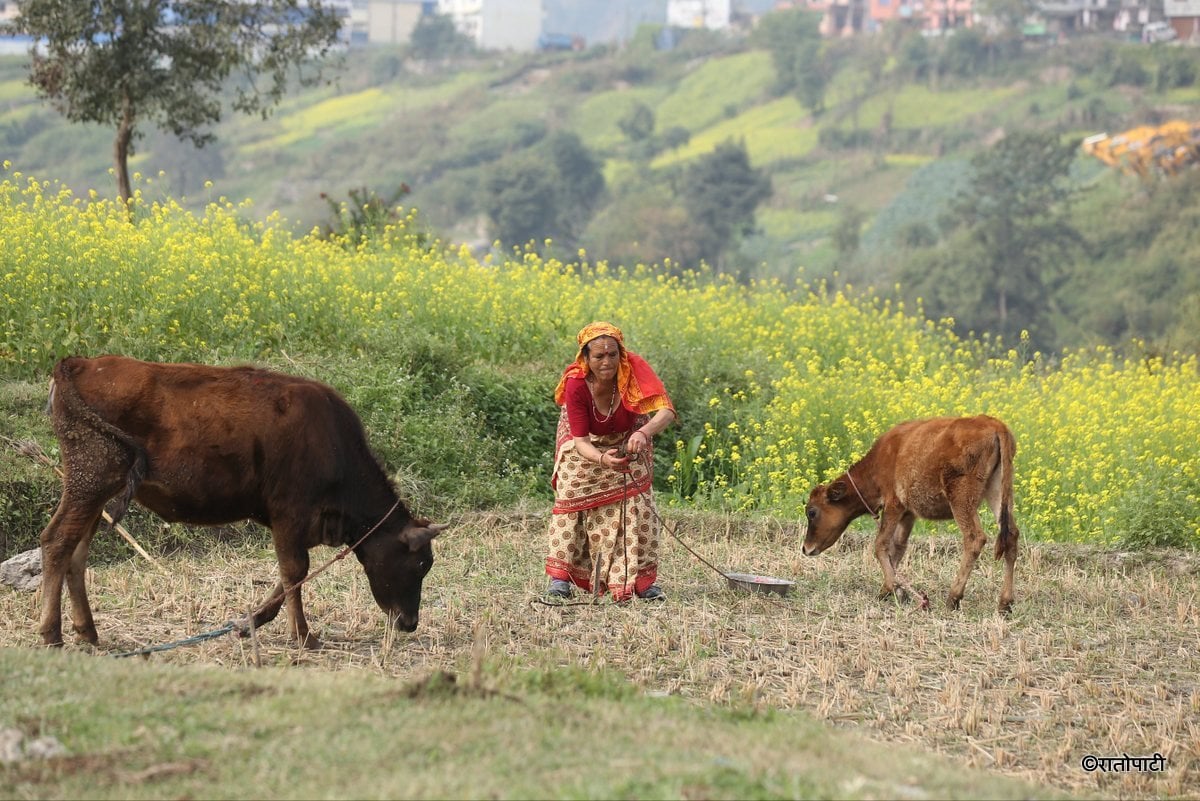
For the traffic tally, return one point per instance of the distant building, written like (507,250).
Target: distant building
(1067,16)
(711,14)
(497,24)
(849,17)
(1184,17)
(393,21)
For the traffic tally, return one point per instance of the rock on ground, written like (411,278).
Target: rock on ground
(24,571)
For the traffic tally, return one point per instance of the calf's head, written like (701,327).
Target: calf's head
(396,563)
(828,513)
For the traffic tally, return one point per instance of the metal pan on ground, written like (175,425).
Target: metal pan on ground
(751,582)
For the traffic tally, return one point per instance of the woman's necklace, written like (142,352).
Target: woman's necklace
(612,405)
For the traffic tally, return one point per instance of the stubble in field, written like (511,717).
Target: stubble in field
(1100,656)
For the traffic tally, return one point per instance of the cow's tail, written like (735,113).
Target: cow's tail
(64,394)
(1006,541)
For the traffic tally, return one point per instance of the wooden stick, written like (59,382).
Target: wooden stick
(34,451)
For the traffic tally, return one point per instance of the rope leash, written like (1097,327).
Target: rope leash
(873,513)
(248,622)
(199,638)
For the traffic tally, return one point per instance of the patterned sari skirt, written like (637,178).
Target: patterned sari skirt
(604,532)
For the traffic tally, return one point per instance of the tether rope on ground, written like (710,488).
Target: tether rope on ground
(248,622)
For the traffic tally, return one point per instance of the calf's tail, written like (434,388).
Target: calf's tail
(1007,539)
(64,392)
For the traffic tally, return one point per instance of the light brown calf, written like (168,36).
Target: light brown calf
(937,469)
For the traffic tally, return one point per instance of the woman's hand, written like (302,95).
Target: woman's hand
(613,460)
(638,441)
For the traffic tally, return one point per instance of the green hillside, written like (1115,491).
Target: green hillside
(892,143)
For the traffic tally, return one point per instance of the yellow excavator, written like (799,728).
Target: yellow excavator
(1149,151)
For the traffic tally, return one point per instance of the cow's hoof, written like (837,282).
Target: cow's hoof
(902,595)
(1005,608)
(88,634)
(952,603)
(312,643)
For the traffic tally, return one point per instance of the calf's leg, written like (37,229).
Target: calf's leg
(973,541)
(900,539)
(884,546)
(1010,563)
(897,550)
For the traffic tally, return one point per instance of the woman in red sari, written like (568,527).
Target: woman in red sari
(604,529)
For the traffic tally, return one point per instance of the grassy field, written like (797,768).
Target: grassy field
(713,694)
(448,357)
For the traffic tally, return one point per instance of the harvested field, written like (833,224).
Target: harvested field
(1100,657)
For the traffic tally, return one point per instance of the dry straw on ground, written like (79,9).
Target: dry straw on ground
(1100,657)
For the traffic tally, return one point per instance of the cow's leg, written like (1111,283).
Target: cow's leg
(72,524)
(293,567)
(81,609)
(974,539)
(884,539)
(95,469)
(269,609)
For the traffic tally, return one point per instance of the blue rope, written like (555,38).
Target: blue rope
(208,635)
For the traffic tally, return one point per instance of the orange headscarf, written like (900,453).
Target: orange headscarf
(641,389)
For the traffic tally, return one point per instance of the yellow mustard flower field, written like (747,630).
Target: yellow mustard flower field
(778,387)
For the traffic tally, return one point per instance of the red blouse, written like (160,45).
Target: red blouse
(584,418)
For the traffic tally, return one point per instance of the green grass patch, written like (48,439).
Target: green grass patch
(919,107)
(907,159)
(596,118)
(793,224)
(16,91)
(773,131)
(704,96)
(327,117)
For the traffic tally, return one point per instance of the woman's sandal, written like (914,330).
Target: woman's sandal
(653,593)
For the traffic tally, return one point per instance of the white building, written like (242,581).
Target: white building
(393,21)
(711,14)
(497,24)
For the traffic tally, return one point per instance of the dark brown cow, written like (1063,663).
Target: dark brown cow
(213,445)
(938,469)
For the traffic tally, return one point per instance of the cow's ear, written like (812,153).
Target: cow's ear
(418,538)
(837,491)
